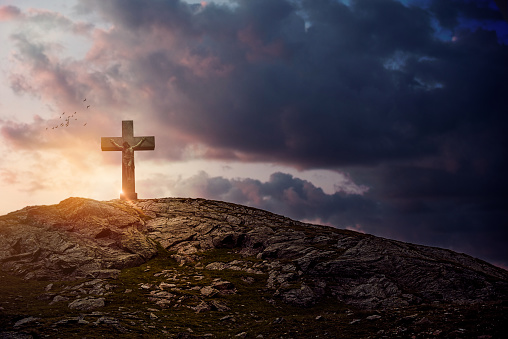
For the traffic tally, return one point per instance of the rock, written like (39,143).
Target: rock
(228,317)
(219,306)
(217,266)
(25,321)
(208,291)
(202,307)
(164,285)
(304,296)
(61,241)
(58,298)
(87,304)
(224,287)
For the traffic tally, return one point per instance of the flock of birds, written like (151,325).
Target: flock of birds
(68,119)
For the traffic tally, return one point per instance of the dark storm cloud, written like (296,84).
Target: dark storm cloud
(284,194)
(360,85)
(449,13)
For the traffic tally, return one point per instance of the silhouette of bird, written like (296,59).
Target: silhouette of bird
(85,99)
(88,106)
(84,124)
(63,113)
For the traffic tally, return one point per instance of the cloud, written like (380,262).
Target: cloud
(282,193)
(301,83)
(260,81)
(10,13)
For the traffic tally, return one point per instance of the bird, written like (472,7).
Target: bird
(84,124)
(85,99)
(88,106)
(63,113)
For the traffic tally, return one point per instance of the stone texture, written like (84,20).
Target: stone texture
(87,304)
(301,263)
(74,239)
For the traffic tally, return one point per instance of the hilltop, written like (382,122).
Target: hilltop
(193,267)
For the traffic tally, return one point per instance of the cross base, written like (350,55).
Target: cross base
(128,196)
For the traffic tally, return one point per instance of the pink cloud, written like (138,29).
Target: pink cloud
(250,190)
(206,66)
(10,13)
(20,135)
(9,177)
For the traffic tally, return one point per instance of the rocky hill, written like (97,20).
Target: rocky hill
(195,268)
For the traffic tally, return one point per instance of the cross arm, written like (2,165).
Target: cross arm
(107,145)
(147,145)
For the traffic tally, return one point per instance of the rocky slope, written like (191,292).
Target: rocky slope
(289,262)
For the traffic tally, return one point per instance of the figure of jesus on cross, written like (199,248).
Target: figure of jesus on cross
(128,156)
(128,143)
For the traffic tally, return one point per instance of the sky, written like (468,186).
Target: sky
(381,116)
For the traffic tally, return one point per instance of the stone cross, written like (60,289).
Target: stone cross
(128,143)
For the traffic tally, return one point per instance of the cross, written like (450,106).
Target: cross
(128,143)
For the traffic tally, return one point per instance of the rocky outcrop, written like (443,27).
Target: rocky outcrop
(76,238)
(301,263)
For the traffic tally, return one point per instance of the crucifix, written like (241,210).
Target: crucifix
(128,143)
